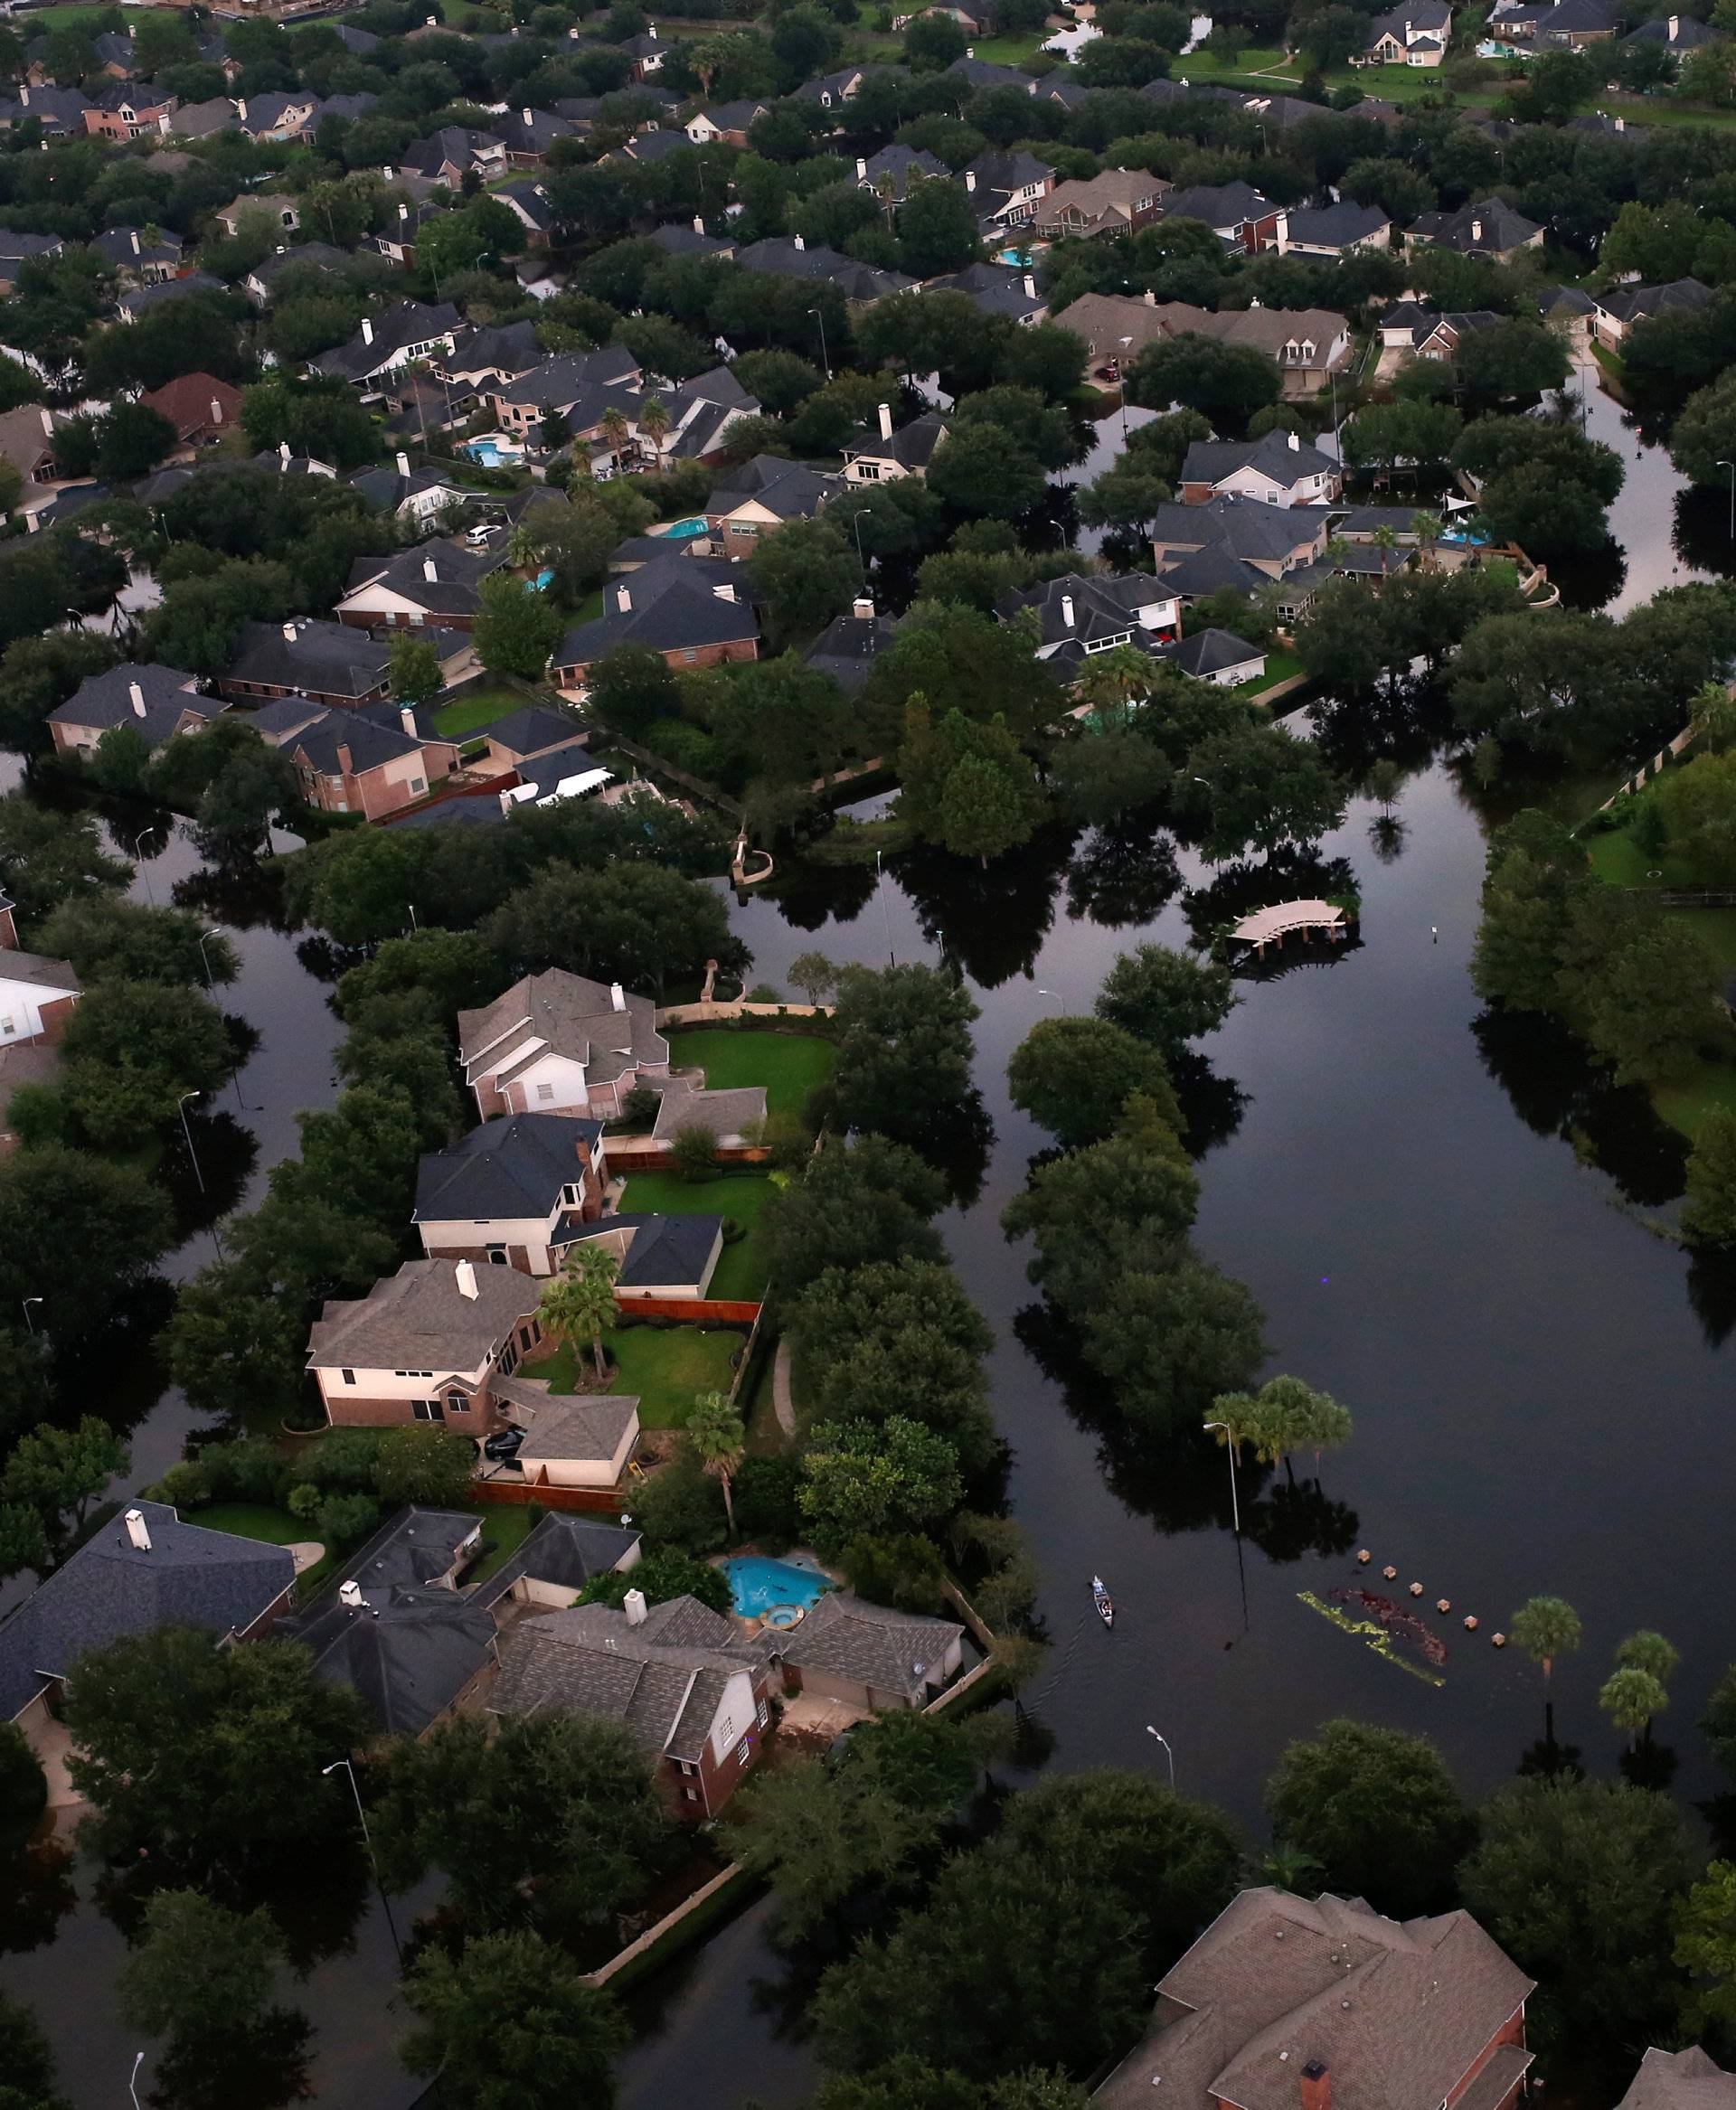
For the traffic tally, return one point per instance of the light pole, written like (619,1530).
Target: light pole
(132,2079)
(138,859)
(29,1322)
(1229,1447)
(1054,996)
(180,1108)
(204,957)
(367,1840)
(1167,1752)
(855,528)
(825,357)
(1731,467)
(1122,375)
(885,909)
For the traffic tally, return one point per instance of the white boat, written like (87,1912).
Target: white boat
(1100,1598)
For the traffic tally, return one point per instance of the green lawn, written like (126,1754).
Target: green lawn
(664,1367)
(743,1269)
(504,1529)
(254,1520)
(1280,666)
(789,1065)
(480,707)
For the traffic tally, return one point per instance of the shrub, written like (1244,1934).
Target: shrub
(681,1505)
(639,1108)
(248,1471)
(734,1230)
(343,1460)
(666,1573)
(764,1495)
(23,1789)
(692,1153)
(905,1572)
(185,1486)
(342,1520)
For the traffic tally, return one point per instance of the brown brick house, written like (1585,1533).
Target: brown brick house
(505,1194)
(694,611)
(1284,2005)
(200,407)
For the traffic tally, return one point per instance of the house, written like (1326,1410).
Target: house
(1214,656)
(974,76)
(760,496)
(1077,618)
(894,455)
(561,1043)
(506,1193)
(702,412)
(996,290)
(790,257)
(679,1677)
(1241,217)
(126,108)
(527,135)
(1619,308)
(499,353)
(415,496)
(410,330)
(1680,2080)
(138,254)
(200,407)
(317,258)
(1409,35)
(528,201)
(143,1570)
(582,387)
(156,701)
(144,299)
(1240,540)
(1306,343)
(847,648)
(398,241)
(1490,228)
(276,206)
(329,663)
(1121,201)
(16,249)
(375,759)
(528,735)
(584,1439)
(889,174)
(37,995)
(425,1344)
(829,90)
(447,155)
(560,1556)
(1411,326)
(723,124)
(1335,231)
(1281,2003)
(683,238)
(733,1119)
(1568,25)
(691,610)
(1278,469)
(1677,33)
(1006,189)
(202,120)
(869,1657)
(58,110)
(275,118)
(647,52)
(433,585)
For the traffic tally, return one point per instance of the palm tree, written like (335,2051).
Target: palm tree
(581,1299)
(717,1434)
(524,547)
(1427,528)
(654,422)
(708,56)
(1386,540)
(1112,680)
(1322,1424)
(1545,1628)
(1286,1411)
(1631,1697)
(615,430)
(1287,1868)
(1237,1414)
(1649,1651)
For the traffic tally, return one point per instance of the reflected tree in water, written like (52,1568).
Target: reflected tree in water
(1122,876)
(1298,1518)
(995,920)
(36,1894)
(1212,1105)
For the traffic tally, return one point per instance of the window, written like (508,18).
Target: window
(744,1751)
(690,1794)
(429,1410)
(497,1257)
(416,787)
(690,656)
(456,1403)
(525,1339)
(348,1376)
(764,1714)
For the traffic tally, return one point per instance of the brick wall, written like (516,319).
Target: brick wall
(54,1017)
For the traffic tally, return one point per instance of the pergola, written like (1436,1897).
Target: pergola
(1271,926)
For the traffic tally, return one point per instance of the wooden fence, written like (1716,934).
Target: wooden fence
(701,1310)
(516,1493)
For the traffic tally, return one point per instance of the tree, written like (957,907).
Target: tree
(134,1049)
(1709,1212)
(26,2061)
(415,673)
(231,1773)
(424,1465)
(200,1971)
(1702,435)
(24,1792)
(720,1440)
(877,1478)
(132,439)
(632,922)
(1125,1203)
(814,976)
(865,1201)
(1260,788)
(113,1213)
(108,937)
(903,1066)
(806,573)
(1649,1651)
(1170,1338)
(580,1302)
(1167,998)
(46,856)
(1516,358)
(512,2024)
(1074,1076)
(937,229)
(1378,1811)
(1579,1881)
(1631,1697)
(1545,1628)
(1229,381)
(967,787)
(516,628)
(52,1477)
(981,468)
(1649,1005)
(1705,1945)
(668,1572)
(1285,1416)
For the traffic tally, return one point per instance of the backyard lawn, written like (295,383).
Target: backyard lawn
(789,1065)
(479,708)
(1280,666)
(663,1367)
(742,1267)
(504,1531)
(253,1520)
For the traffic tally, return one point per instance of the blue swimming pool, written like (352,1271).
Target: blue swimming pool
(756,1584)
(544,579)
(485,452)
(683,528)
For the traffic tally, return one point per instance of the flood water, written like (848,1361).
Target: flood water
(1540,1404)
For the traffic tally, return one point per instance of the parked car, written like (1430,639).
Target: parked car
(503,1446)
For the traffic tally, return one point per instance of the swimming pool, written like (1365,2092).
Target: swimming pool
(490,453)
(683,528)
(756,1584)
(544,579)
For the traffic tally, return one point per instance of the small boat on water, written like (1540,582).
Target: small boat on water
(1100,1598)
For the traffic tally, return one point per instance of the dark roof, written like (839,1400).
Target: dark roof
(515,1167)
(148,296)
(452,591)
(109,1588)
(786,257)
(1632,304)
(1208,652)
(1085,609)
(408,1652)
(1334,226)
(1242,526)
(1218,205)
(409,322)
(369,743)
(1681,33)
(911,446)
(565,1551)
(1488,227)
(332,659)
(1278,455)
(732,116)
(848,646)
(670,607)
(167,693)
(891,172)
(508,348)
(996,288)
(1213,570)
(311,256)
(664,1249)
(791,490)
(534,731)
(891,1650)
(681,237)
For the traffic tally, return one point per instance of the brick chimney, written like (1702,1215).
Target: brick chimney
(345,762)
(862,608)
(1316,2083)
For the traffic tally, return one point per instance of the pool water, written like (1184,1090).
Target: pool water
(543,579)
(756,1584)
(485,452)
(683,528)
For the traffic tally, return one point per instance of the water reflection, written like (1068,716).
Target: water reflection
(1122,875)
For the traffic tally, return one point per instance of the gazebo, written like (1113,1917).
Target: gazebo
(1271,926)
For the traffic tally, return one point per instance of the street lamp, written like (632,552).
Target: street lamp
(180,1108)
(204,957)
(1731,467)
(138,859)
(28,1320)
(1167,1752)
(885,907)
(1054,996)
(825,357)
(1229,1447)
(132,2079)
(861,562)
(367,1840)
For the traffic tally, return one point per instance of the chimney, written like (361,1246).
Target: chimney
(623,601)
(633,1605)
(970,179)
(138,695)
(1675,26)
(1476,231)
(8,928)
(800,244)
(216,411)
(526,116)
(699,224)
(1151,298)
(48,425)
(403,212)
(1296,445)
(1067,611)
(970,50)
(1031,286)
(403,464)
(135,241)
(862,608)
(136,1531)
(367,331)
(726,592)
(465,1274)
(429,571)
(288,633)
(1316,2085)
(862,170)
(240,112)
(346,762)
(617,996)
(407,719)
(350,1594)
(651,31)
(885,420)
(283,456)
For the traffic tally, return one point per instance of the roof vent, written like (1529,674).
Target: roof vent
(136,1531)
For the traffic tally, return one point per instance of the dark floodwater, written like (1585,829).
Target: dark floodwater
(1539,1406)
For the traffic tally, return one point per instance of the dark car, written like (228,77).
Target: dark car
(503,1446)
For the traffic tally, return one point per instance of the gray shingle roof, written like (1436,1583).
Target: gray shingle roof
(1488,227)
(408,1652)
(723,1113)
(1680,2080)
(106,699)
(534,731)
(565,1551)
(515,1167)
(417,1319)
(853,1639)
(1276,455)
(662,1250)
(571,1013)
(1207,652)
(582,1427)
(190,1577)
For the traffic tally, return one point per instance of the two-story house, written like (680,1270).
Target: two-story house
(509,1194)
(1278,469)
(561,1043)
(156,701)
(1078,618)
(37,994)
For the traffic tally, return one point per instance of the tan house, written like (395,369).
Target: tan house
(27,442)
(1121,201)
(426,1344)
(1306,343)
(582,1440)
(510,1193)
(868,1657)
(560,1043)
(155,701)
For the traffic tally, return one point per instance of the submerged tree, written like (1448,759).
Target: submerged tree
(1545,1628)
